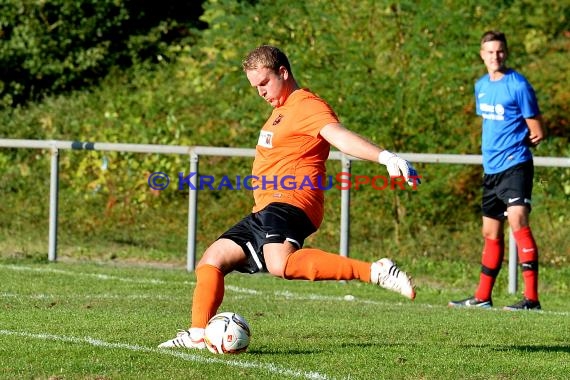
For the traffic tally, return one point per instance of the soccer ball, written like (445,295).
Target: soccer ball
(227,333)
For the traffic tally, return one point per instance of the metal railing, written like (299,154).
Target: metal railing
(194,152)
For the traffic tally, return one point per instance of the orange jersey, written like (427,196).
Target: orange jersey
(290,155)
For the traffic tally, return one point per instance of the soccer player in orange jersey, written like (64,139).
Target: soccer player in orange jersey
(294,144)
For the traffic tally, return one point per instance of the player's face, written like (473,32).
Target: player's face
(494,56)
(270,85)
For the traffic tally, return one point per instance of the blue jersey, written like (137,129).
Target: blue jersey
(504,105)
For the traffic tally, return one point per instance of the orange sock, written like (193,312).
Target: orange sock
(491,261)
(528,259)
(208,294)
(316,265)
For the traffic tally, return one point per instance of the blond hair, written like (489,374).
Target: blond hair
(266,56)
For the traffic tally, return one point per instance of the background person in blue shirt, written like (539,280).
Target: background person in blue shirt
(512,124)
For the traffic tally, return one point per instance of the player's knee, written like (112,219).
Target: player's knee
(491,232)
(276,268)
(276,256)
(224,255)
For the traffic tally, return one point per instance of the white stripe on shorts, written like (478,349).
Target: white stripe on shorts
(294,242)
(254,255)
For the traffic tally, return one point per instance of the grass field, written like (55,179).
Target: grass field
(84,320)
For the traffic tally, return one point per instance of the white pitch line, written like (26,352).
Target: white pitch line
(44,296)
(269,367)
(94,275)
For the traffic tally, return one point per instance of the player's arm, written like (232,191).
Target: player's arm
(355,145)
(349,142)
(535,130)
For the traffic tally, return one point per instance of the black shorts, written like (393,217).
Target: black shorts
(512,187)
(276,223)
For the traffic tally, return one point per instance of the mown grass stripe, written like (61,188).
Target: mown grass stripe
(236,289)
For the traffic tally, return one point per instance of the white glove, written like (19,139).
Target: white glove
(398,167)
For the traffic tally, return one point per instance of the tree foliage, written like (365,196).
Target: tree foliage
(54,46)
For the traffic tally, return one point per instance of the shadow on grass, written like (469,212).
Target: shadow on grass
(530,348)
(19,257)
(523,348)
(298,351)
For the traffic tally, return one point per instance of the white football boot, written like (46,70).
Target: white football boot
(386,274)
(193,338)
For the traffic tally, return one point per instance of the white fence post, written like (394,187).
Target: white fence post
(513,267)
(53,204)
(192,213)
(345,210)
